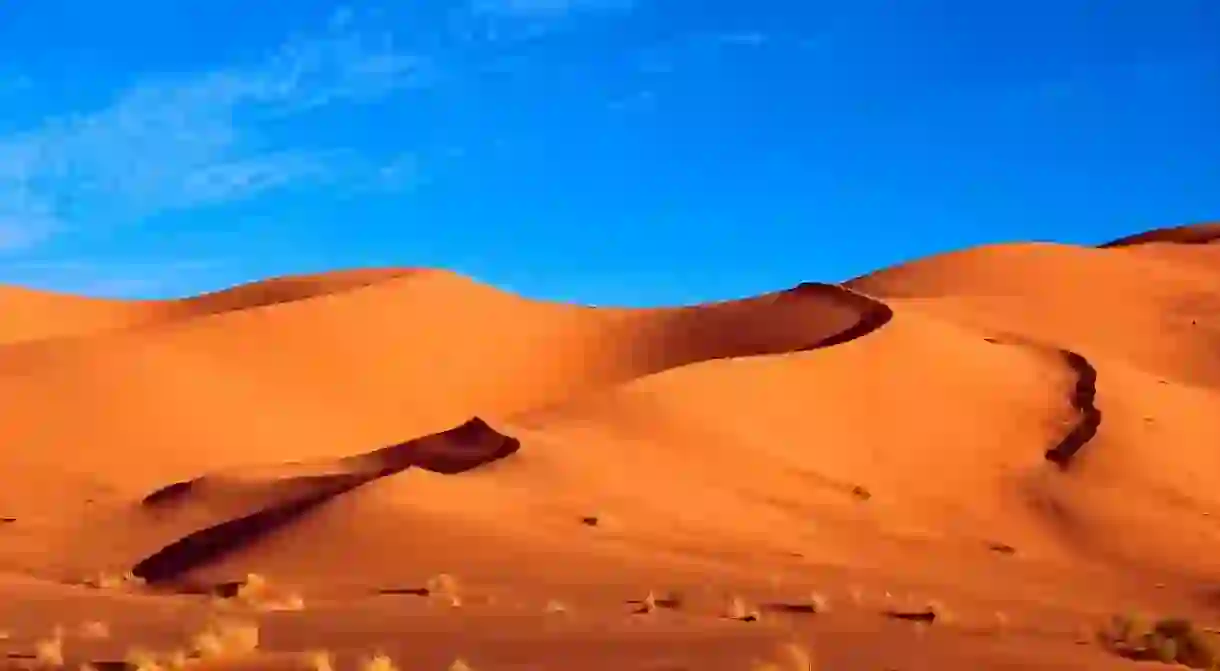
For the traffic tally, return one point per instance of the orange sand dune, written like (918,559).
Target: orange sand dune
(32,315)
(1197,246)
(1191,234)
(1150,311)
(1028,427)
(37,315)
(335,374)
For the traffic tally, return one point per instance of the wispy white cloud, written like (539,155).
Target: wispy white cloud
(669,55)
(119,278)
(176,142)
(547,8)
(519,21)
(741,39)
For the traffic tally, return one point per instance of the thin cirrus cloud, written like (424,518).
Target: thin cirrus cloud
(174,143)
(546,8)
(162,277)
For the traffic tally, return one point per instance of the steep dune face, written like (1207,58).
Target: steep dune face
(1055,399)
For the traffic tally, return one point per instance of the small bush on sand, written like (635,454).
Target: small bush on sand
(737,610)
(50,651)
(378,662)
(225,638)
(1169,640)
(139,659)
(444,587)
(252,589)
(320,660)
(256,593)
(108,581)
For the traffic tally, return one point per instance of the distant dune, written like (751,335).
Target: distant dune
(365,429)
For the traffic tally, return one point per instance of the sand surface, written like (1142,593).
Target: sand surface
(1020,440)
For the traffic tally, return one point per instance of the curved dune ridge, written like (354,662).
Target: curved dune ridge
(1051,398)
(37,315)
(1192,234)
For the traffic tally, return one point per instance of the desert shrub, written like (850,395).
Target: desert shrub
(1168,640)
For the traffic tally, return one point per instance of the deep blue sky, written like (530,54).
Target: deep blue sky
(604,151)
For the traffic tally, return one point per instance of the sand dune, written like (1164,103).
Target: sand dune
(1191,234)
(33,315)
(356,432)
(39,315)
(1141,308)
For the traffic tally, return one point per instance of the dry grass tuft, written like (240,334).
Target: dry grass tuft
(648,604)
(320,660)
(445,587)
(940,612)
(50,651)
(378,662)
(252,589)
(789,657)
(737,610)
(106,580)
(1168,640)
(256,593)
(139,659)
(226,638)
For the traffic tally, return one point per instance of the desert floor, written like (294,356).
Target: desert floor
(973,460)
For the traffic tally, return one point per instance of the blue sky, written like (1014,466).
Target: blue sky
(630,152)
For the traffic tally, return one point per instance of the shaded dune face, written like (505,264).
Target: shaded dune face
(1195,234)
(292,495)
(362,426)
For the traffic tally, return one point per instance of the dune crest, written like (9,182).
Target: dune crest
(1191,234)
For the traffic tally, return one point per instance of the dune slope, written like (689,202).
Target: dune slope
(1049,398)
(1157,314)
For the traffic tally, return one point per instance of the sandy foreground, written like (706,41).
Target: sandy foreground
(970,461)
